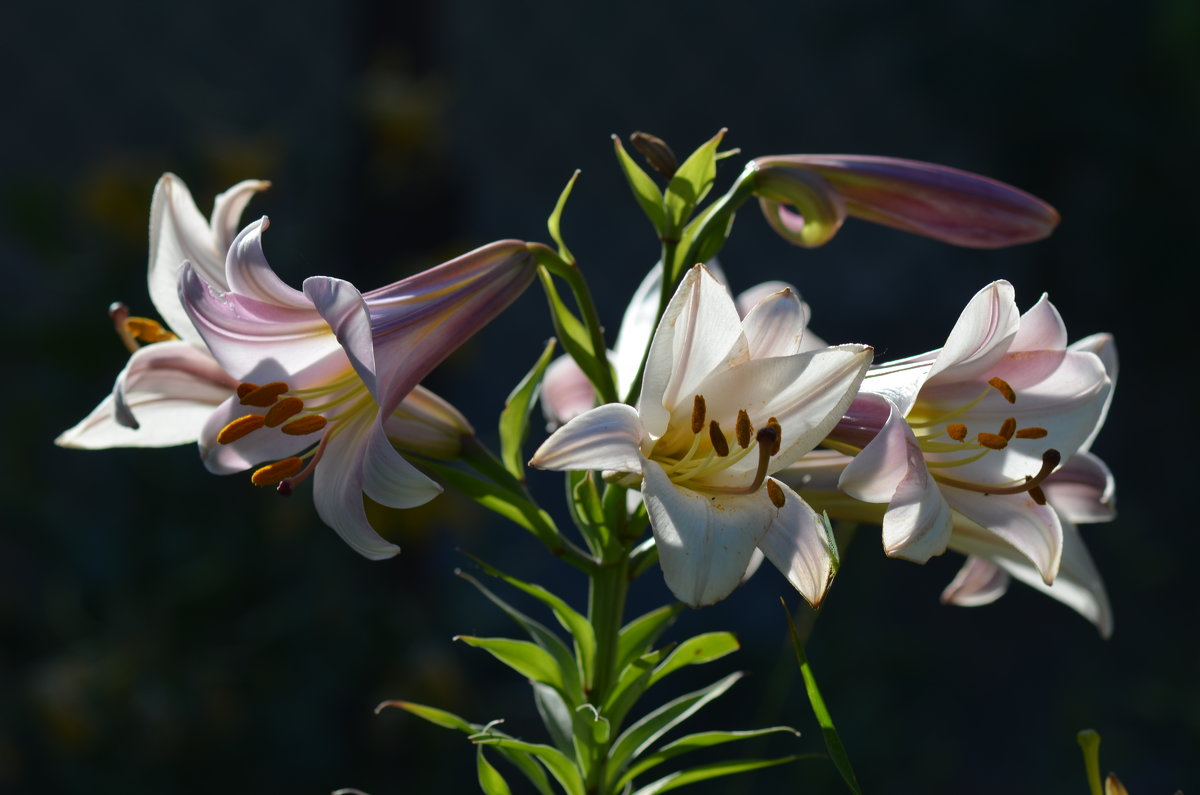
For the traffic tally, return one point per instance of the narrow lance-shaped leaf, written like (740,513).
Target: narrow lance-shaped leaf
(640,735)
(639,635)
(632,683)
(837,751)
(691,183)
(542,636)
(696,651)
(648,196)
(693,742)
(571,620)
(490,780)
(512,506)
(553,222)
(570,330)
(559,765)
(514,420)
(705,772)
(556,716)
(587,511)
(527,659)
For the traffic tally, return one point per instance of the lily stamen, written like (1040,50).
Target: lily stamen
(264,395)
(1050,460)
(719,443)
(1003,388)
(743,429)
(274,474)
(698,411)
(283,411)
(147,330)
(240,427)
(305,425)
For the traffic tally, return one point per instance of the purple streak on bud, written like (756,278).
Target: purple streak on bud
(862,422)
(943,203)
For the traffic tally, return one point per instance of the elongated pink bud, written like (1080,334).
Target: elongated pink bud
(947,204)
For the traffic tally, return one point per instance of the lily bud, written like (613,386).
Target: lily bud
(427,425)
(947,204)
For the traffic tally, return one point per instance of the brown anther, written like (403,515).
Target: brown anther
(1032,433)
(305,425)
(956,431)
(245,388)
(274,474)
(283,411)
(147,330)
(743,429)
(720,445)
(771,436)
(775,493)
(239,428)
(698,412)
(657,153)
(993,440)
(1038,495)
(264,395)
(1008,427)
(1003,388)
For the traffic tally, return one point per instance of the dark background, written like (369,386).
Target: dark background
(163,630)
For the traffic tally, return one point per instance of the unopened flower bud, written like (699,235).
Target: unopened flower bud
(657,153)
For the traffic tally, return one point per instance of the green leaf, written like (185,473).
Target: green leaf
(509,504)
(632,683)
(544,638)
(590,736)
(696,651)
(648,196)
(528,659)
(571,331)
(530,767)
(514,420)
(837,751)
(636,637)
(694,742)
(571,620)
(490,780)
(586,508)
(640,735)
(704,772)
(552,223)
(440,717)
(691,183)
(556,716)
(558,763)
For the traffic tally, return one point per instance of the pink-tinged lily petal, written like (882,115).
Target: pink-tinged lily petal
(981,336)
(747,299)
(343,308)
(178,232)
(1105,347)
(566,392)
(252,339)
(1082,490)
(798,203)
(917,524)
(250,276)
(1017,519)
(427,425)
(388,478)
(260,447)
(161,399)
(1041,329)
(418,321)
(338,485)
(946,204)
(977,583)
(699,333)
(875,473)
(799,544)
(703,554)
(1078,584)
(606,438)
(774,326)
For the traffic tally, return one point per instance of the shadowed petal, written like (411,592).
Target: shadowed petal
(704,542)
(981,336)
(774,326)
(566,391)
(875,473)
(258,447)
(637,326)
(228,208)
(388,478)
(1082,490)
(343,308)
(977,583)
(798,543)
(179,232)
(1016,519)
(1042,329)
(917,524)
(251,276)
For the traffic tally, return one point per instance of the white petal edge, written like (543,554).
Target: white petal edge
(606,438)
(799,543)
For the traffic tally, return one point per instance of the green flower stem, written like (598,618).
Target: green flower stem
(607,589)
(573,276)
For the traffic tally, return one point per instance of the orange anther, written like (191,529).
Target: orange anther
(1032,433)
(239,428)
(283,411)
(147,330)
(305,425)
(775,493)
(245,388)
(1008,427)
(720,445)
(264,395)
(993,440)
(956,431)
(698,411)
(1003,388)
(743,429)
(272,474)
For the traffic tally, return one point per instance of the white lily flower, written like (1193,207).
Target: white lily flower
(976,428)
(711,379)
